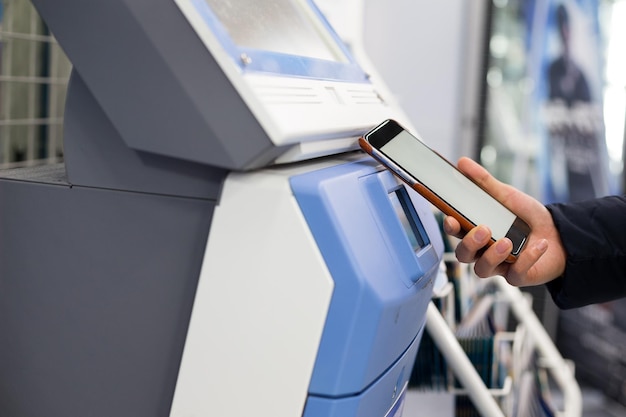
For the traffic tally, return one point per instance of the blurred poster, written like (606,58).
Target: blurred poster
(566,63)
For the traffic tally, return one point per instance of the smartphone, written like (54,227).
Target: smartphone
(443,184)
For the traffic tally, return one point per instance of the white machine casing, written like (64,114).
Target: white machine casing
(257,323)
(265,293)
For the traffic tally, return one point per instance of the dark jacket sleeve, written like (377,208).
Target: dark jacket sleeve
(594,236)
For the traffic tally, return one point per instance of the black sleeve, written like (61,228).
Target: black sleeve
(594,236)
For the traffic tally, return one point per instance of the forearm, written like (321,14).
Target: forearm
(593,234)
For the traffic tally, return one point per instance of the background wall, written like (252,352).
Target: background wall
(429,53)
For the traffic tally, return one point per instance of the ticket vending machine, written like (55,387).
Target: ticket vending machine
(214,243)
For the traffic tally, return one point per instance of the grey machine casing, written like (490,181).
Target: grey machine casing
(100,256)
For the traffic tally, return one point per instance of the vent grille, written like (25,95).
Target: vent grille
(295,95)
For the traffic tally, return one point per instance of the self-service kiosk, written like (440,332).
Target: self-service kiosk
(214,244)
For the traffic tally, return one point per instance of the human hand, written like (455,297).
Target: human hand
(543,257)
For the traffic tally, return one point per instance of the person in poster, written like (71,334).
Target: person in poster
(573,119)
(566,79)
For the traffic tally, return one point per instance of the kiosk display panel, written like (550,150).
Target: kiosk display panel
(279,27)
(281,37)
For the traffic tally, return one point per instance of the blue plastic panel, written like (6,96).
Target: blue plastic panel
(382,285)
(382,397)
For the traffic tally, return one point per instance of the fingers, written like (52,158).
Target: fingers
(492,261)
(452,227)
(524,271)
(472,243)
(531,267)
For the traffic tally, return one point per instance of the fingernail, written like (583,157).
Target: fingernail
(503,246)
(542,245)
(481,234)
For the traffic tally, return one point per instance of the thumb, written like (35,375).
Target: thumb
(477,173)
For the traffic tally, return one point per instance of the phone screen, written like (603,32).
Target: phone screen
(443,179)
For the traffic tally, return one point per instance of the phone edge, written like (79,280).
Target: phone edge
(438,202)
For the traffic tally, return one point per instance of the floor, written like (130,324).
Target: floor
(595,404)
(434,404)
